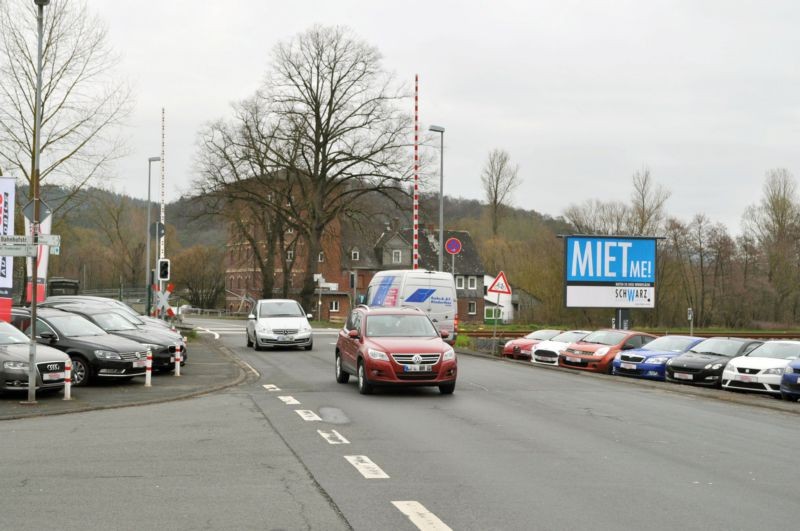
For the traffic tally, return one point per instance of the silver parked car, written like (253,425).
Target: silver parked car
(14,356)
(279,323)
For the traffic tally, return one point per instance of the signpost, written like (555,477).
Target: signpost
(453,246)
(499,286)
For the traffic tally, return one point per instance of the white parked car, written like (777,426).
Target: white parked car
(547,352)
(761,369)
(279,323)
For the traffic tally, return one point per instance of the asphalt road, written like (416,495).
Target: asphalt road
(516,447)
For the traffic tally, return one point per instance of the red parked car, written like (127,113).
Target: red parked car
(596,351)
(520,349)
(394,346)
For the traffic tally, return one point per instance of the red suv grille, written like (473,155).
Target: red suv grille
(408,359)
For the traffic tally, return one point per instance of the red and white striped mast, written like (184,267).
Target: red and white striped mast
(416,172)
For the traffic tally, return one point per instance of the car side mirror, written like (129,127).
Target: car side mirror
(251,316)
(445,334)
(49,336)
(627,347)
(352,334)
(309,316)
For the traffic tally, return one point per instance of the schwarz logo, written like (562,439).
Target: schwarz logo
(632,294)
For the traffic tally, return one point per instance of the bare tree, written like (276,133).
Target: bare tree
(82,101)
(340,133)
(499,178)
(200,275)
(648,200)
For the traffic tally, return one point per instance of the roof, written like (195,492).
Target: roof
(467,262)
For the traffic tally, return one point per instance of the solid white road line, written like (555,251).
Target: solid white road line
(307,414)
(367,468)
(333,437)
(289,400)
(271,387)
(420,516)
(207,331)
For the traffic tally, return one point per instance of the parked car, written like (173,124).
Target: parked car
(596,351)
(521,348)
(394,346)
(703,363)
(278,323)
(650,361)
(790,382)
(110,302)
(761,369)
(546,352)
(94,352)
(161,342)
(15,355)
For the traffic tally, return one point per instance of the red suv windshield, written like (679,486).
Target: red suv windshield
(399,326)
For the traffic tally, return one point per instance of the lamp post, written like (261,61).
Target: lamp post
(37,114)
(439,129)
(147,279)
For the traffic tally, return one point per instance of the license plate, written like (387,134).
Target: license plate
(543,358)
(683,376)
(629,366)
(50,376)
(285,338)
(745,378)
(417,368)
(139,363)
(573,360)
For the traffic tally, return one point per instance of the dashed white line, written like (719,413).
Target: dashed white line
(307,414)
(420,516)
(366,467)
(333,437)
(289,400)
(271,387)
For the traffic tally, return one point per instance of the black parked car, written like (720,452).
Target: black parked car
(162,343)
(94,352)
(703,363)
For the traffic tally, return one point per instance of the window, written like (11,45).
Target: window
(472,282)
(492,312)
(459,282)
(352,280)
(397,256)
(472,308)
(333,306)
(354,256)
(321,257)
(289,256)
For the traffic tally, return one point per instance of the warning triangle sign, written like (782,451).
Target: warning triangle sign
(500,285)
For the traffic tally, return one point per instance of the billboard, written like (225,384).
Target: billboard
(610,272)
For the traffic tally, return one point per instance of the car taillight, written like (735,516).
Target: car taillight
(455,323)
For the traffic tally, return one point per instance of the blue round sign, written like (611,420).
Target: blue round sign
(453,245)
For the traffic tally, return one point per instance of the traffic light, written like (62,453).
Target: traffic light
(163,269)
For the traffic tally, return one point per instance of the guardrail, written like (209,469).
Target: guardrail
(762,334)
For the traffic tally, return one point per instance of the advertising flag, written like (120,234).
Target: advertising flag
(7,188)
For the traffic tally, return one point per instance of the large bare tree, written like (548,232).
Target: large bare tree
(340,133)
(82,100)
(499,179)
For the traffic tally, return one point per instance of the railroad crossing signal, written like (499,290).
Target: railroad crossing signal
(163,269)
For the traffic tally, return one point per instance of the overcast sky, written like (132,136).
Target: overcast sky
(582,94)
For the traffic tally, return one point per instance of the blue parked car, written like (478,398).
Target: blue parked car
(790,382)
(650,360)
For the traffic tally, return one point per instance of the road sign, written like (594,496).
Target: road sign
(157,230)
(23,239)
(16,249)
(44,211)
(453,245)
(500,285)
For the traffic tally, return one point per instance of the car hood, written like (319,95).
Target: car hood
(147,336)
(420,345)
(283,322)
(589,347)
(21,352)
(653,353)
(759,363)
(693,360)
(555,346)
(110,342)
(523,342)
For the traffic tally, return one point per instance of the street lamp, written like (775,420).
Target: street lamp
(37,115)
(440,129)
(147,280)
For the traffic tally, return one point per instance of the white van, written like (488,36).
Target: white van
(432,291)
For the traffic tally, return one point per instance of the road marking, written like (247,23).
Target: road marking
(289,400)
(307,414)
(207,331)
(333,437)
(271,387)
(367,468)
(420,516)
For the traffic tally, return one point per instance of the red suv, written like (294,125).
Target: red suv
(394,346)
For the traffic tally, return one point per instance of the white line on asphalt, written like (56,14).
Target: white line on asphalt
(271,387)
(367,468)
(289,400)
(333,437)
(420,516)
(207,331)
(307,414)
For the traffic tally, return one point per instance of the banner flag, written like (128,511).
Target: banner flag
(42,257)
(7,189)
